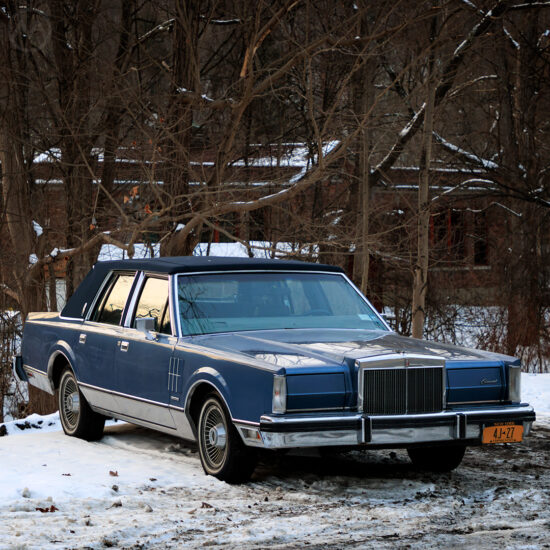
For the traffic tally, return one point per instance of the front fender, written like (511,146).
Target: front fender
(209,376)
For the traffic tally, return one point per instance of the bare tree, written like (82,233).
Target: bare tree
(420,280)
(175,122)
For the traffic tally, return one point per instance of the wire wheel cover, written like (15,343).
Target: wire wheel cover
(70,402)
(214,436)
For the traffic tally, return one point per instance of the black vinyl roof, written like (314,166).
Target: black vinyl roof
(186,264)
(81,300)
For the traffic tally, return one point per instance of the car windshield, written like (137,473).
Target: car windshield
(228,302)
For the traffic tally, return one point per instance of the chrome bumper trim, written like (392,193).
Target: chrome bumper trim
(273,440)
(399,430)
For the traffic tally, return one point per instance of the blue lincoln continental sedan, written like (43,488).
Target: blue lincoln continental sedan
(247,354)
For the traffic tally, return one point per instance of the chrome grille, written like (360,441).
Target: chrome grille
(411,390)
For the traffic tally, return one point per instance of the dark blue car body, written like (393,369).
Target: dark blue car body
(279,388)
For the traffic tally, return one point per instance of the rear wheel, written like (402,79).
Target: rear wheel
(437,459)
(223,454)
(77,418)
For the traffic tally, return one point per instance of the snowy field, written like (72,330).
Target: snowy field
(139,489)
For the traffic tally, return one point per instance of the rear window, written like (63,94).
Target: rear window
(111,305)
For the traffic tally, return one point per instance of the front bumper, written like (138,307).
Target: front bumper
(353,429)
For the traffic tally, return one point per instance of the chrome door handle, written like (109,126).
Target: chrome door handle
(124,346)
(82,339)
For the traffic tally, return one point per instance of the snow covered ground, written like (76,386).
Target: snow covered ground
(535,389)
(140,489)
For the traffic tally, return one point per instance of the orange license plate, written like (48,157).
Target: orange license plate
(502,433)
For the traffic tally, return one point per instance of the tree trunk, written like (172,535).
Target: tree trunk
(362,104)
(524,288)
(420,281)
(365,166)
(177,148)
(524,272)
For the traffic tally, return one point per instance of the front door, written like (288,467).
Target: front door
(143,361)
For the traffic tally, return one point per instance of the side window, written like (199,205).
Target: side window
(111,305)
(153,303)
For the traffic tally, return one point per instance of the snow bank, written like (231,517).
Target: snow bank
(535,389)
(33,423)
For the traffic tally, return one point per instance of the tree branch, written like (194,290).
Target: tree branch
(57,255)
(447,80)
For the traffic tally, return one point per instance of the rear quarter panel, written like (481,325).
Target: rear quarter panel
(44,335)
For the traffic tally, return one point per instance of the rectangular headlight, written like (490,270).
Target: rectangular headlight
(279,394)
(514,384)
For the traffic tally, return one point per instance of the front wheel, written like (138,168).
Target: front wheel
(77,418)
(223,454)
(437,459)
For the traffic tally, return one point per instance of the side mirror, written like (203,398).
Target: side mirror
(146,325)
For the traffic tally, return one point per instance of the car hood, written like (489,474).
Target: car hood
(318,347)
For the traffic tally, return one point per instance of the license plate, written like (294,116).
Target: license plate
(502,433)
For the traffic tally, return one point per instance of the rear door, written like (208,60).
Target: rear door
(97,341)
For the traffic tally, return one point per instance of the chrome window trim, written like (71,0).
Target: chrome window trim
(137,288)
(100,292)
(97,295)
(224,272)
(172,304)
(63,318)
(135,291)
